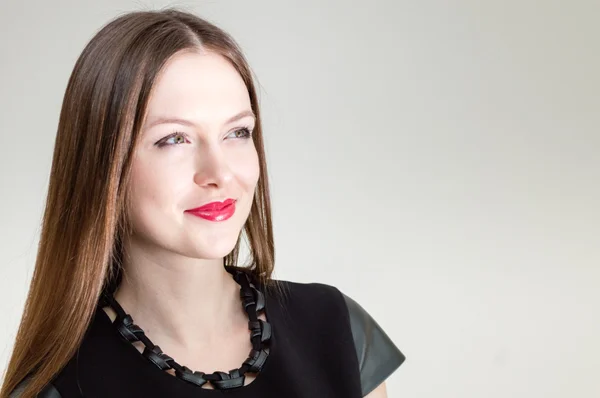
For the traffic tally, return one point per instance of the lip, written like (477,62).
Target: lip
(215,211)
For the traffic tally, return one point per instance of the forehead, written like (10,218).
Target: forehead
(200,86)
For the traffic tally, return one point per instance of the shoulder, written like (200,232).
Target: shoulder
(306,292)
(310,300)
(49,390)
(377,355)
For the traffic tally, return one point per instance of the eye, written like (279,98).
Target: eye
(244,132)
(174,138)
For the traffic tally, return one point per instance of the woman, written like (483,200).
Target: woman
(158,172)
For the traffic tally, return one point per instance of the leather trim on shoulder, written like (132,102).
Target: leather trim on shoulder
(378,357)
(49,390)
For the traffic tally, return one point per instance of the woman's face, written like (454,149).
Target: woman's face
(195,148)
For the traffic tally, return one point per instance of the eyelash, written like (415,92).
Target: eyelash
(161,143)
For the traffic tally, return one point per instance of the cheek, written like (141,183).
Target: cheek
(155,188)
(247,169)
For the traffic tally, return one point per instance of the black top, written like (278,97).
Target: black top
(323,344)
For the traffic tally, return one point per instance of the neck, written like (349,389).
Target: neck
(177,298)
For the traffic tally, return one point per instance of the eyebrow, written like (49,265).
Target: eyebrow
(185,122)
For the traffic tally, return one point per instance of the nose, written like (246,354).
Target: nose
(212,168)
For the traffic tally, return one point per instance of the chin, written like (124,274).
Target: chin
(214,251)
(212,241)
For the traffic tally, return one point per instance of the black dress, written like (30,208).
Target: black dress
(323,344)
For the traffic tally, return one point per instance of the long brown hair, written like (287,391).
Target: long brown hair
(85,215)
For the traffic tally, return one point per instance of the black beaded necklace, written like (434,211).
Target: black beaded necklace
(253,302)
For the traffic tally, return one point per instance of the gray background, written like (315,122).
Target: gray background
(435,160)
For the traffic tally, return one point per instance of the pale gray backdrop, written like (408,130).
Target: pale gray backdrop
(435,160)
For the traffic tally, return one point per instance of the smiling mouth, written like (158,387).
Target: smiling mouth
(215,211)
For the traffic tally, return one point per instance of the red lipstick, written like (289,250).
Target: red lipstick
(215,211)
